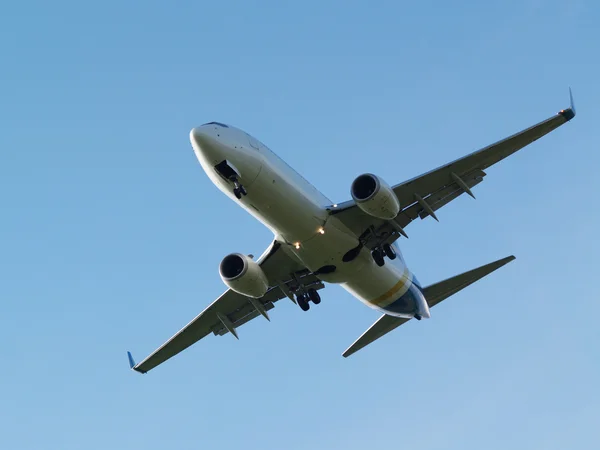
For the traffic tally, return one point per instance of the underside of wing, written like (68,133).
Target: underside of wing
(423,195)
(231,310)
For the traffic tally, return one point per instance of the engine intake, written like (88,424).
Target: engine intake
(243,275)
(364,187)
(375,197)
(232,267)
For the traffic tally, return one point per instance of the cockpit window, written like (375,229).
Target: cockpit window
(217,123)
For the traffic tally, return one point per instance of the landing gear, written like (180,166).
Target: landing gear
(379,253)
(303,299)
(378,257)
(418,316)
(303,302)
(238,189)
(389,251)
(314,296)
(231,174)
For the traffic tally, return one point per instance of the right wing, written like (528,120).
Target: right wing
(423,195)
(434,294)
(232,310)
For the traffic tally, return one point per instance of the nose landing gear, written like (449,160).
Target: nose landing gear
(231,174)
(238,189)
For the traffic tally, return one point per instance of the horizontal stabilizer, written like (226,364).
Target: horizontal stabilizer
(434,294)
(384,325)
(438,292)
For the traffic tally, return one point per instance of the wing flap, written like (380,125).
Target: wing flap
(440,198)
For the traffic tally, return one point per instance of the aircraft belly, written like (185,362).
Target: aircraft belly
(328,249)
(389,289)
(288,211)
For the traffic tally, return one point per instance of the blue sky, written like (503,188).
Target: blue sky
(112,234)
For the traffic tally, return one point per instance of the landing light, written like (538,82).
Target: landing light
(322,230)
(335,205)
(297,245)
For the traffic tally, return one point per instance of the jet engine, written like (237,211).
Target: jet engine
(375,197)
(243,275)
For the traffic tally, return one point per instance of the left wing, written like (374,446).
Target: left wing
(232,310)
(423,195)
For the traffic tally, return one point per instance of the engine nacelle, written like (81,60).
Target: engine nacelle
(375,197)
(243,275)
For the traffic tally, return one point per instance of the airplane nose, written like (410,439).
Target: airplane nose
(205,144)
(215,144)
(199,136)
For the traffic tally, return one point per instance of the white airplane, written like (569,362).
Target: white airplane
(316,241)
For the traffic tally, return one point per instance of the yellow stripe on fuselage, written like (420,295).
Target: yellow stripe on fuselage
(395,289)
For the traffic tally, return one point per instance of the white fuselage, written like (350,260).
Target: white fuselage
(297,214)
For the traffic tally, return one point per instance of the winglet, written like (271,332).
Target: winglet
(572,102)
(568,114)
(131,361)
(133,365)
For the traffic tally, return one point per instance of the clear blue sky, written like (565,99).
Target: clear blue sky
(111,234)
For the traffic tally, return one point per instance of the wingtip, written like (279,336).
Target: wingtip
(131,360)
(132,364)
(506,260)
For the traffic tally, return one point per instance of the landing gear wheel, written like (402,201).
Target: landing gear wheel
(418,316)
(389,251)
(314,296)
(378,257)
(303,302)
(238,189)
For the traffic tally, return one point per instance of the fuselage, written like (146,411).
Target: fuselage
(298,215)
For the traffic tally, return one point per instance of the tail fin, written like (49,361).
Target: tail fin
(434,294)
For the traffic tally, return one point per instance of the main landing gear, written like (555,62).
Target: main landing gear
(380,253)
(238,189)
(303,299)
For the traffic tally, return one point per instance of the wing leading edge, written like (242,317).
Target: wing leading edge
(423,195)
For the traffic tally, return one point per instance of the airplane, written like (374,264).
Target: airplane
(352,244)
